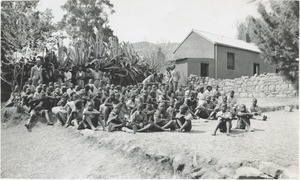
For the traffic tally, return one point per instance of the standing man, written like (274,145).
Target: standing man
(36,72)
(97,75)
(68,78)
(175,77)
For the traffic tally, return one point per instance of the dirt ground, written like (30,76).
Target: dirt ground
(274,140)
(57,152)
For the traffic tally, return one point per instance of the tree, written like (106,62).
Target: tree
(277,33)
(245,29)
(22,28)
(85,18)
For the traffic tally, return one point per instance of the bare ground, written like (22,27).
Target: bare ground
(57,152)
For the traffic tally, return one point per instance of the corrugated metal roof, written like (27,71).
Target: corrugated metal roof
(227,41)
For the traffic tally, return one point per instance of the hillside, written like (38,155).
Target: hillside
(144,48)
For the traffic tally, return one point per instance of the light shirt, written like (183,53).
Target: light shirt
(68,76)
(175,75)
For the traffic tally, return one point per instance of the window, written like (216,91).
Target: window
(256,68)
(230,61)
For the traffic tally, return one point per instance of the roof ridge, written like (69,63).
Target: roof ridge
(219,35)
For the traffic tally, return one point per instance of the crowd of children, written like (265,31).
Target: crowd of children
(153,105)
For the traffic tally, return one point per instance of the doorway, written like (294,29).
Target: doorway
(256,68)
(204,70)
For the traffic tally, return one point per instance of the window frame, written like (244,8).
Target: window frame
(233,61)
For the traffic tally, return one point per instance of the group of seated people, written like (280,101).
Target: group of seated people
(135,108)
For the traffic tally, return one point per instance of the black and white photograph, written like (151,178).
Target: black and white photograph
(150,89)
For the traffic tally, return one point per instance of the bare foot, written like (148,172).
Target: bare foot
(213,134)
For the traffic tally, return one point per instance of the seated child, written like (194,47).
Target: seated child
(224,118)
(75,117)
(60,111)
(254,108)
(149,111)
(163,118)
(218,108)
(116,119)
(244,119)
(184,119)
(91,117)
(191,103)
(108,103)
(39,107)
(205,109)
(139,119)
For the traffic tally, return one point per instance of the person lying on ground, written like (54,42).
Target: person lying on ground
(224,118)
(91,117)
(244,119)
(205,109)
(184,119)
(39,107)
(255,109)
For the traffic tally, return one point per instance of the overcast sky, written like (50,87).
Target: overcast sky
(169,20)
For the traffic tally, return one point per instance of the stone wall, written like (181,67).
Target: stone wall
(264,85)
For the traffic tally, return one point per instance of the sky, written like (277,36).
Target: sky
(169,20)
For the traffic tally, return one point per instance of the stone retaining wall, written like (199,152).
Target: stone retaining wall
(269,85)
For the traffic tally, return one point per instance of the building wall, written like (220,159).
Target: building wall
(243,63)
(194,66)
(182,67)
(195,47)
(269,85)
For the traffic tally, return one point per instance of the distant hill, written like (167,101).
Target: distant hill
(144,48)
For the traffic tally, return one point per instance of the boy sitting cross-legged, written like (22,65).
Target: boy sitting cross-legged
(244,119)
(138,116)
(224,118)
(184,119)
(91,117)
(116,119)
(75,116)
(39,107)
(255,109)
(163,118)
